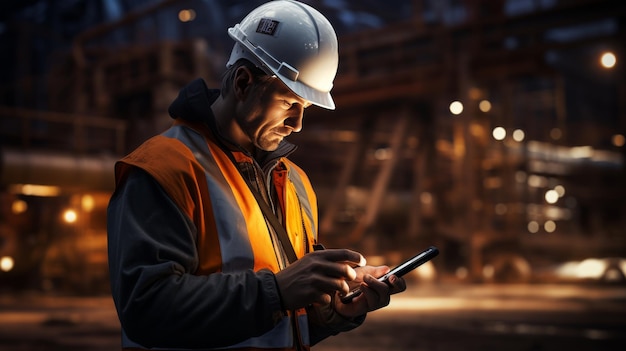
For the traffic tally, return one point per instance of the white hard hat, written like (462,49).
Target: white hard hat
(293,41)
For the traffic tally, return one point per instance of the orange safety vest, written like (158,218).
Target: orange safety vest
(232,233)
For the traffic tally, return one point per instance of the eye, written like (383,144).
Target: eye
(287,104)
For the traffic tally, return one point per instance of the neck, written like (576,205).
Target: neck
(227,126)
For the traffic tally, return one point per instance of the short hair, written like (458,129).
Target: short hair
(259,75)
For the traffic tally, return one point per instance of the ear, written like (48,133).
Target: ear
(242,82)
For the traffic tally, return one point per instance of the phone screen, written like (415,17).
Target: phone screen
(399,271)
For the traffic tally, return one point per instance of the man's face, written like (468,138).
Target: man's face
(271,113)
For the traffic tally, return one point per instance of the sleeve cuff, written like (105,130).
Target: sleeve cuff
(333,321)
(275,300)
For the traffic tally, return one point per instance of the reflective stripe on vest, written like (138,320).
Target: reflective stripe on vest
(233,226)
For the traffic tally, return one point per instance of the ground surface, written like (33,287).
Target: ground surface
(429,318)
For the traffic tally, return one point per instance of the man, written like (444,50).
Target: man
(212,230)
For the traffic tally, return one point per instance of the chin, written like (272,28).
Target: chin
(271,148)
(268,146)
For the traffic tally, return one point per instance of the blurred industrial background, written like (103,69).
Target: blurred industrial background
(494,129)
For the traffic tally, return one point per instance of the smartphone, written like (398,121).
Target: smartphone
(399,271)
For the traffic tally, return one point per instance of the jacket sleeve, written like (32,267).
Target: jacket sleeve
(325,322)
(160,302)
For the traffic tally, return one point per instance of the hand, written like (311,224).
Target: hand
(375,294)
(317,276)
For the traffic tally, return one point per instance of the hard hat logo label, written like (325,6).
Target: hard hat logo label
(267,26)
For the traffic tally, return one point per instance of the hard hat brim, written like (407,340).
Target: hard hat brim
(243,49)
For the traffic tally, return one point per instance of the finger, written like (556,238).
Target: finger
(324,284)
(376,284)
(330,286)
(376,271)
(324,299)
(344,288)
(381,288)
(350,273)
(378,294)
(336,270)
(396,284)
(343,256)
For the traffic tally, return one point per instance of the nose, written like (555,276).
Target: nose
(294,121)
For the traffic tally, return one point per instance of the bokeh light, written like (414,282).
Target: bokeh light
(552,196)
(560,189)
(19,206)
(70,216)
(518,135)
(187,15)
(549,226)
(484,105)
(618,140)
(456,107)
(608,60)
(6,263)
(499,133)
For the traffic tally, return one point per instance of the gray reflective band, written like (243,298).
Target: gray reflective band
(305,202)
(235,247)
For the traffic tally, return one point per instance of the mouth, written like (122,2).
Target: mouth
(282,135)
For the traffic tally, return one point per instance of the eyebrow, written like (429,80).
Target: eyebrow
(288,92)
(284,90)
(304,102)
